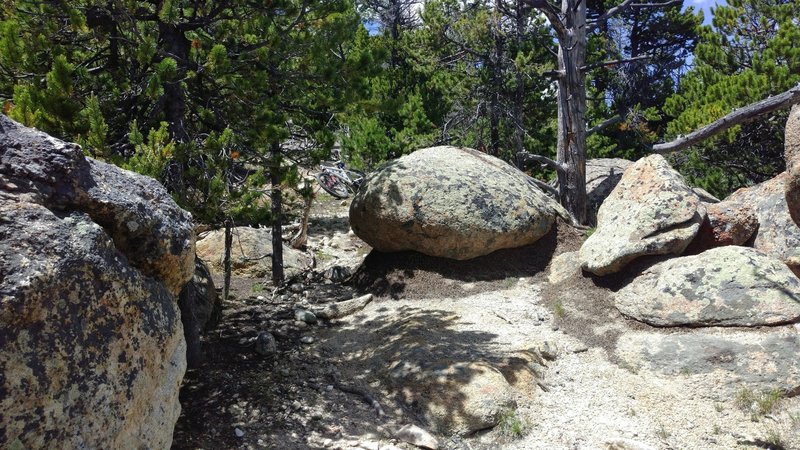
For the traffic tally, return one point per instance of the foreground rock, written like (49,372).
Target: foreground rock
(92,257)
(450,202)
(459,398)
(757,360)
(728,223)
(602,176)
(251,253)
(792,155)
(777,234)
(730,286)
(651,212)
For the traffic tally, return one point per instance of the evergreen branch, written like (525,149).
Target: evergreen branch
(736,117)
(614,62)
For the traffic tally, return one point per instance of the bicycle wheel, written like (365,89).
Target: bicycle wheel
(332,184)
(357,177)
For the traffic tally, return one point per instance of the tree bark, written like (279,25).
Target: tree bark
(277,213)
(174,43)
(571,152)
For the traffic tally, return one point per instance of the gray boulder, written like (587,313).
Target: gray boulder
(92,351)
(450,202)
(602,176)
(651,212)
(251,253)
(777,234)
(753,359)
(730,286)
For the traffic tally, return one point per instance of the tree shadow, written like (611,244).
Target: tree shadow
(420,359)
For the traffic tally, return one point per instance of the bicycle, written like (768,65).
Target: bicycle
(338,180)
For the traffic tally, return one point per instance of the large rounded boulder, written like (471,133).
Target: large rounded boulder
(727,286)
(450,202)
(92,257)
(651,211)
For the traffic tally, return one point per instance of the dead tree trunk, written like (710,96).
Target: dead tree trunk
(571,151)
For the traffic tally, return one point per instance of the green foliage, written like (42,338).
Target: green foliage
(758,404)
(512,425)
(747,55)
(151,156)
(196,94)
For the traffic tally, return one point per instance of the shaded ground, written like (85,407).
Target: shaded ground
(320,388)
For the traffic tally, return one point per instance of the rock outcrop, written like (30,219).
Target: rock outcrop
(777,234)
(792,155)
(450,202)
(92,258)
(251,254)
(650,212)
(728,223)
(602,176)
(747,358)
(729,286)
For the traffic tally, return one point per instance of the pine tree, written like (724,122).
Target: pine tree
(750,53)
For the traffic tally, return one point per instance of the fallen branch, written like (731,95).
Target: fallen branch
(361,393)
(736,117)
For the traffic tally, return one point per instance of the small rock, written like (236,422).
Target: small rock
(239,433)
(305,316)
(345,308)
(260,297)
(548,351)
(265,344)
(307,339)
(415,435)
(343,203)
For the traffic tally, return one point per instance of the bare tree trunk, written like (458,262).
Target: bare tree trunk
(519,132)
(277,213)
(226,261)
(572,110)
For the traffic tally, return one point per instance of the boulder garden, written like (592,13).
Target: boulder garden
(650,212)
(92,257)
(450,202)
(730,286)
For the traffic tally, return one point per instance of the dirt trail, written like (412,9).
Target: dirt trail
(573,393)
